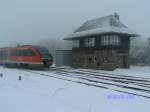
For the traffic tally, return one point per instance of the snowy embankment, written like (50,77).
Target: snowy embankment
(35,93)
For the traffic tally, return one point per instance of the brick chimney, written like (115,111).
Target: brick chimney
(116,15)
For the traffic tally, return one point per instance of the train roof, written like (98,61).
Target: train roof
(6,48)
(29,46)
(21,47)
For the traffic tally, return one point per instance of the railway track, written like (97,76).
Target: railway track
(131,85)
(98,72)
(134,80)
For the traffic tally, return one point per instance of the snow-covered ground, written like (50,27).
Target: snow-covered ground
(35,93)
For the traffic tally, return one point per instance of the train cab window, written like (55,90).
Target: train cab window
(43,52)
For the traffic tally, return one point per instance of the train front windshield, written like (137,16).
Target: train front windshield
(44,52)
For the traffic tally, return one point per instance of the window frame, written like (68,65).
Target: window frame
(75,43)
(89,42)
(110,40)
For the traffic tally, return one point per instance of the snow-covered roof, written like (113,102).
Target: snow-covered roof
(103,25)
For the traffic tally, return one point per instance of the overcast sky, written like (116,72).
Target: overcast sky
(28,21)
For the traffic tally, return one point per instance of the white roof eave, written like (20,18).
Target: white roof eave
(103,30)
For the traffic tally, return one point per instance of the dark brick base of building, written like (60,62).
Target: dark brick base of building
(101,59)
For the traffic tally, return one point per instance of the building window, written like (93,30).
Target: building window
(110,40)
(89,42)
(76,43)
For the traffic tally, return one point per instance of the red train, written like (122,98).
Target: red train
(26,56)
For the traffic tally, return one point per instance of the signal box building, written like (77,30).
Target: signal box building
(102,43)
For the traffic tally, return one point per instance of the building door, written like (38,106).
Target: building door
(125,61)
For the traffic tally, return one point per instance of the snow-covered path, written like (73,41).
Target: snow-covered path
(35,93)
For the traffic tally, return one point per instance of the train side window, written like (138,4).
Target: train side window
(30,53)
(22,53)
(27,52)
(0,53)
(14,53)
